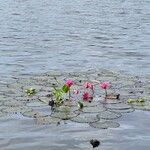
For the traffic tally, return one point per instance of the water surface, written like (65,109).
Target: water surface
(37,36)
(41,35)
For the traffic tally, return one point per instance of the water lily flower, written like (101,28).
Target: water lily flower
(85,96)
(69,83)
(76,92)
(104,85)
(87,85)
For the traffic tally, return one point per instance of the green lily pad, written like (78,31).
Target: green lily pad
(2,114)
(13,103)
(65,109)
(95,109)
(118,106)
(85,118)
(91,104)
(123,110)
(104,124)
(142,106)
(71,103)
(16,109)
(48,120)
(36,104)
(112,101)
(33,114)
(63,115)
(25,99)
(109,115)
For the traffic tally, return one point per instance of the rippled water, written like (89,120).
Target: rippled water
(41,35)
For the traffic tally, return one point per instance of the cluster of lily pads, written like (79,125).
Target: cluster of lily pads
(79,97)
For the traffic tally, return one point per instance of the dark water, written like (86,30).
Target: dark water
(42,35)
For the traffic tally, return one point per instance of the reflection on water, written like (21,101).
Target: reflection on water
(38,36)
(25,134)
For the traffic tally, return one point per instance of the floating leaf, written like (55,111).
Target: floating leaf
(45,100)
(109,101)
(109,115)
(123,110)
(104,124)
(91,104)
(64,115)
(48,120)
(85,118)
(36,104)
(2,114)
(140,100)
(65,109)
(33,114)
(142,106)
(14,103)
(95,109)
(131,100)
(117,106)
(17,109)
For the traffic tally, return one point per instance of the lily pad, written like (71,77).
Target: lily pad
(95,109)
(33,114)
(2,114)
(25,99)
(65,109)
(91,104)
(13,103)
(118,106)
(63,115)
(111,101)
(85,118)
(36,104)
(123,110)
(109,115)
(71,103)
(48,120)
(45,100)
(16,109)
(142,106)
(104,124)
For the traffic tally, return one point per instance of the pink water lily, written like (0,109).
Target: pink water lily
(76,92)
(87,85)
(85,96)
(69,83)
(104,85)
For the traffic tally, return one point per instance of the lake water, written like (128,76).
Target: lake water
(41,35)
